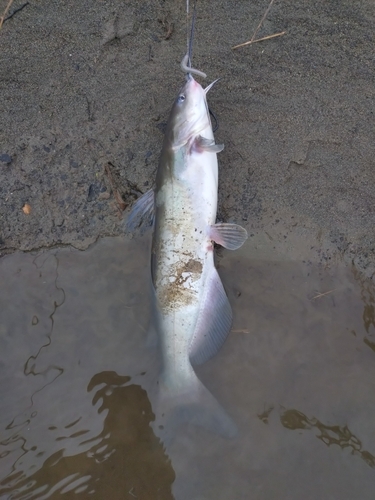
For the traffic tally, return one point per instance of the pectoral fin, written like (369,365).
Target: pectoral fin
(201,144)
(230,236)
(142,211)
(214,321)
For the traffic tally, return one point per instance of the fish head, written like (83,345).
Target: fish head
(189,114)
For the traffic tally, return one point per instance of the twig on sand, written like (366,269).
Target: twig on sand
(262,20)
(2,18)
(259,39)
(319,295)
(258,28)
(240,331)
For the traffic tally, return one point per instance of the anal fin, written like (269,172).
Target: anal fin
(214,321)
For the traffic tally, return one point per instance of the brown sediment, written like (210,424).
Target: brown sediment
(176,294)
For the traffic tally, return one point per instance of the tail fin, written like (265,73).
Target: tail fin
(192,404)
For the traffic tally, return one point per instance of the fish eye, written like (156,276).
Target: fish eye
(181,98)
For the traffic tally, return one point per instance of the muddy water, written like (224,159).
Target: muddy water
(297,375)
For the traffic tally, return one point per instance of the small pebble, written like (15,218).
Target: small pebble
(6,158)
(26,209)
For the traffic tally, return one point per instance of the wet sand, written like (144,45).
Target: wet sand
(86,90)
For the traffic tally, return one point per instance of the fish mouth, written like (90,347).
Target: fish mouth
(190,81)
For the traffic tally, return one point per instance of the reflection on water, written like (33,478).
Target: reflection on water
(124,458)
(329,434)
(76,364)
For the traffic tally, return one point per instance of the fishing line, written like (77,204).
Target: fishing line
(190,45)
(187,26)
(189,42)
(190,35)
(186,61)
